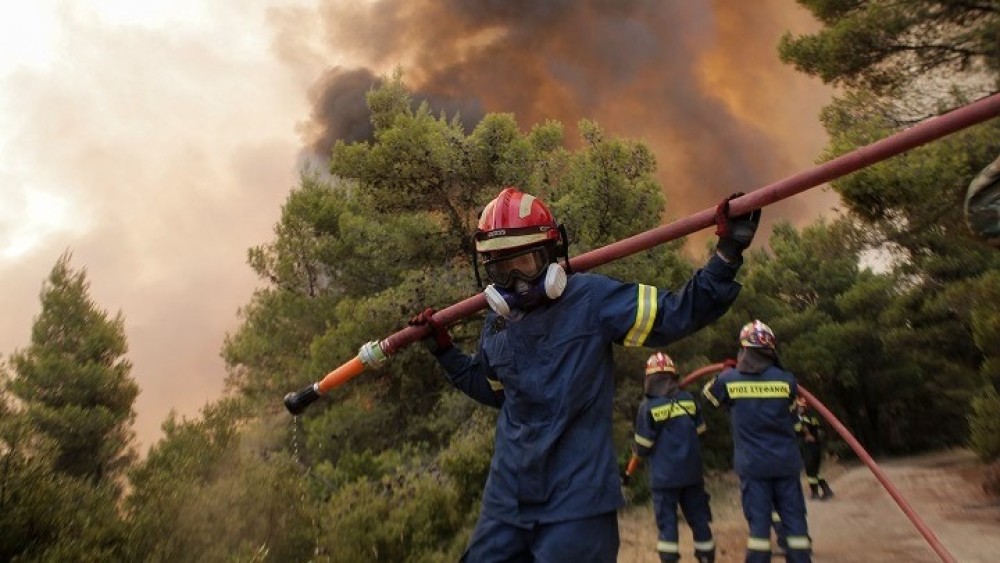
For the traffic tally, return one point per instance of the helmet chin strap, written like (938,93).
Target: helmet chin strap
(526,295)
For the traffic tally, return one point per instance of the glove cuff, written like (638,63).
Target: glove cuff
(730,249)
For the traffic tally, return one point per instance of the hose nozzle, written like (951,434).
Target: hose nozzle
(296,402)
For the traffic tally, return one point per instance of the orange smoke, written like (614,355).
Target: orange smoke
(700,83)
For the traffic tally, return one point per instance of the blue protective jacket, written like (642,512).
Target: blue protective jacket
(763,418)
(550,374)
(666,431)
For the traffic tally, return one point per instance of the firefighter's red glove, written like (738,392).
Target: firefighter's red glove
(735,233)
(729,363)
(438,340)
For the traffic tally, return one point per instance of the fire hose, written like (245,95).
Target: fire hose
(858,449)
(373,354)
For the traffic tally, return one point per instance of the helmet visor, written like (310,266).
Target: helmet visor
(526,264)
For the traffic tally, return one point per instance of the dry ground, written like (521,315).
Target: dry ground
(862,523)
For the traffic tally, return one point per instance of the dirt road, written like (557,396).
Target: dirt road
(862,523)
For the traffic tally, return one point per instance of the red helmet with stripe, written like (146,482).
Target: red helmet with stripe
(757,335)
(660,363)
(513,220)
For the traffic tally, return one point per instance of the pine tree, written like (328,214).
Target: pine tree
(74,381)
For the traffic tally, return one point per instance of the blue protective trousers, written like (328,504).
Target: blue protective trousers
(587,540)
(693,502)
(782,495)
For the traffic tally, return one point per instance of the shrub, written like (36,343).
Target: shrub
(984,425)
(406,517)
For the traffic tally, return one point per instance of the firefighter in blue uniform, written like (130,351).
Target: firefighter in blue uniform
(811,440)
(545,361)
(667,427)
(760,396)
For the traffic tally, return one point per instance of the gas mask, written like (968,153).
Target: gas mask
(523,295)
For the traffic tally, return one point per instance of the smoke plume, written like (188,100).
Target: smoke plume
(699,82)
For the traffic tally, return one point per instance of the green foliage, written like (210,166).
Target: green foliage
(409,515)
(74,379)
(984,422)
(609,191)
(913,202)
(426,163)
(326,254)
(354,425)
(883,45)
(220,489)
(46,514)
(986,323)
(466,459)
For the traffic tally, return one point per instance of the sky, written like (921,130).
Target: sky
(157,140)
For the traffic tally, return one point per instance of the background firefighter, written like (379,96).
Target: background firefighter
(812,438)
(545,360)
(760,397)
(667,427)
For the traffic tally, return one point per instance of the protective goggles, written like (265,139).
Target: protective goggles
(525,265)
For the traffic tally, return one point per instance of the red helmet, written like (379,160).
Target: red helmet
(757,335)
(515,219)
(660,363)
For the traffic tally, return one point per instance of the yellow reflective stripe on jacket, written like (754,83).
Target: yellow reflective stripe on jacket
(671,410)
(643,441)
(645,314)
(758,389)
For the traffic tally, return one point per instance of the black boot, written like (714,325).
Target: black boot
(813,491)
(705,556)
(827,491)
